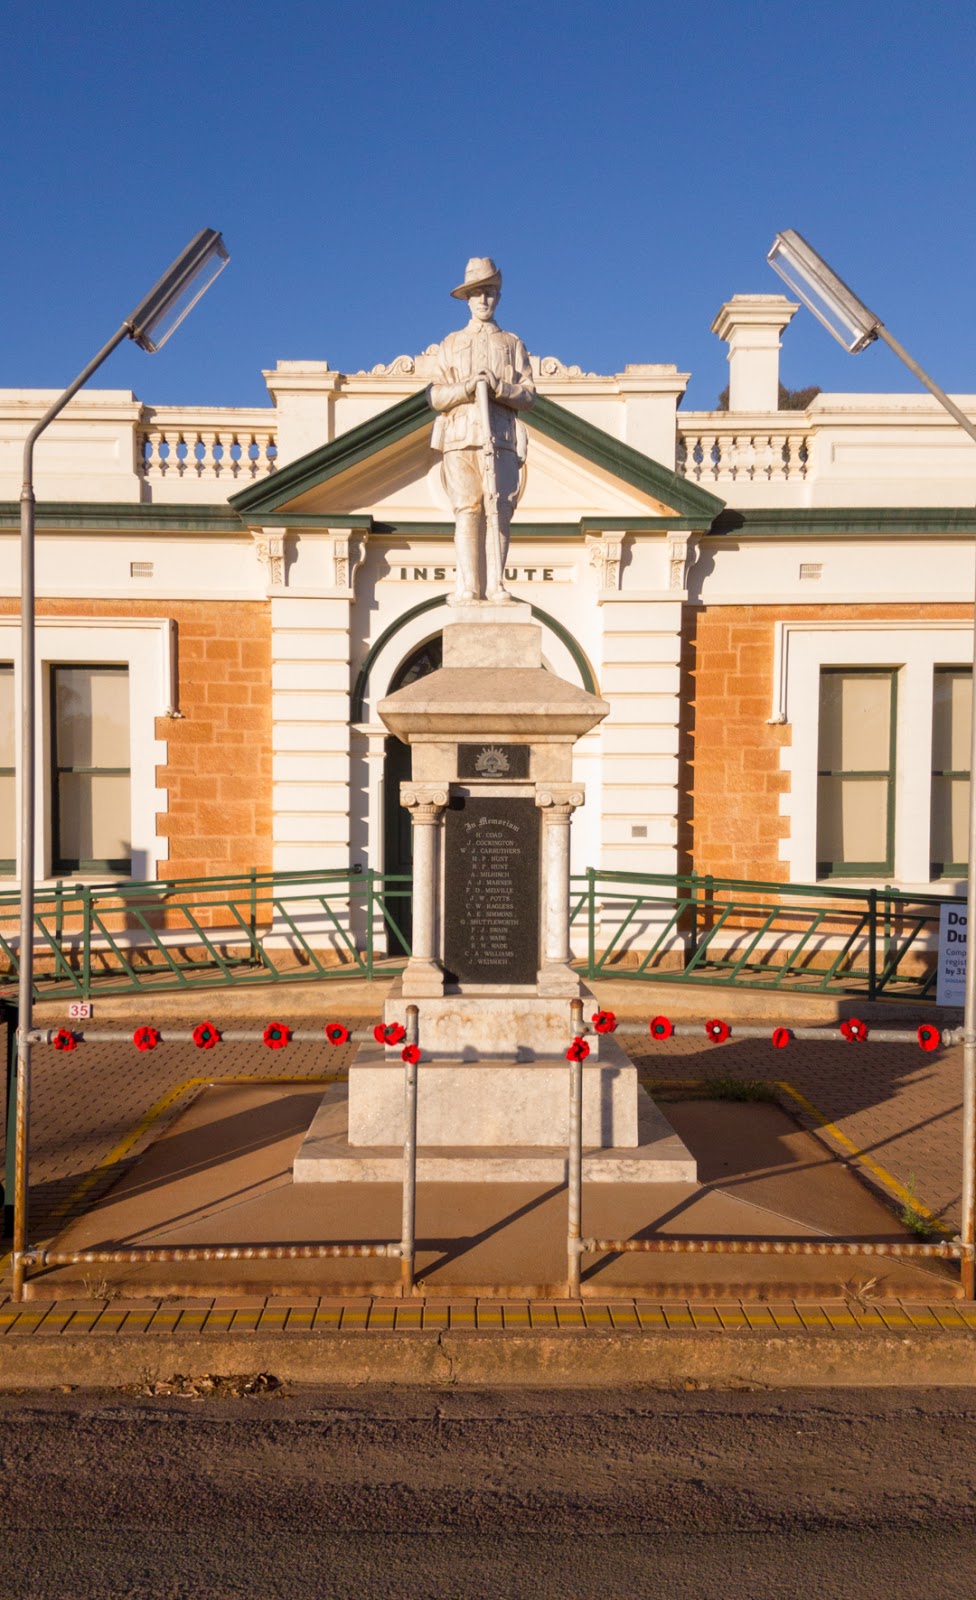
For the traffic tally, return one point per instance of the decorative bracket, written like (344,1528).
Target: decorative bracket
(606,555)
(269,547)
(682,555)
(348,555)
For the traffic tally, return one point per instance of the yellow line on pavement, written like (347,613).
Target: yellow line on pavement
(884,1177)
(142,1127)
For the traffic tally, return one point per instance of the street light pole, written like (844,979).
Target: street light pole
(149,326)
(854,326)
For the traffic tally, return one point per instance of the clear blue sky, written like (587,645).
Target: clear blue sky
(627,164)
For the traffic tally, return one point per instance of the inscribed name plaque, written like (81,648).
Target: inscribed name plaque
(491,890)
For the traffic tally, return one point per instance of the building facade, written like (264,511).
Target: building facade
(776,604)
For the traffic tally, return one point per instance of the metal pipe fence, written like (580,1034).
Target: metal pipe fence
(403,1249)
(960,1249)
(578,1244)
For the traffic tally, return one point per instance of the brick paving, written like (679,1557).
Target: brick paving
(898,1105)
(86,1102)
(53,1319)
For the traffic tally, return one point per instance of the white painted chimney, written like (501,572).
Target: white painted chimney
(751,325)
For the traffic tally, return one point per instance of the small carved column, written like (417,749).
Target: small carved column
(557,802)
(424,974)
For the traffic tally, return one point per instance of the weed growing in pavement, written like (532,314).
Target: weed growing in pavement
(95,1288)
(729,1088)
(910,1216)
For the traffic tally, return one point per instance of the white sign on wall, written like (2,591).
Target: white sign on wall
(951,990)
(428,573)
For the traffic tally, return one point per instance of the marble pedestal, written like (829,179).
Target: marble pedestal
(326,1156)
(491,802)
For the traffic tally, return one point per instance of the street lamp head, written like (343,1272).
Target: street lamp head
(178,290)
(822,292)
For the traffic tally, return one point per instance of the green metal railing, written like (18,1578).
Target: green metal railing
(266,927)
(810,938)
(183,932)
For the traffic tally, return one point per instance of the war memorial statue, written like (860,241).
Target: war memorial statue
(483,380)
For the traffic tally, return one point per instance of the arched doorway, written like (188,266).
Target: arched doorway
(397,833)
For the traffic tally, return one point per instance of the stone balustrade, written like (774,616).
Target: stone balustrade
(234,447)
(711,452)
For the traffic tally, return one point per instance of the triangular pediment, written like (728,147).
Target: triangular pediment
(384,471)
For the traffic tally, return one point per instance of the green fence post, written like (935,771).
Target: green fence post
(86,910)
(591,923)
(872,944)
(693,931)
(254,902)
(59,910)
(10,1014)
(370,875)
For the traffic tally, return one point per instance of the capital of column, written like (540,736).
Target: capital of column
(424,801)
(557,801)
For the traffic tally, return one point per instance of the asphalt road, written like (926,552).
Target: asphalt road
(397,1493)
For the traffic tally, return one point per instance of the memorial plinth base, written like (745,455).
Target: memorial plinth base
(473,1023)
(492,1102)
(326,1155)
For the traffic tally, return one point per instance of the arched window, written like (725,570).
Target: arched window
(397,837)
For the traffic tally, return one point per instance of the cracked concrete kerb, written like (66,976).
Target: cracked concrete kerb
(725,1359)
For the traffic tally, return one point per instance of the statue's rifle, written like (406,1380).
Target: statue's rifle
(493,542)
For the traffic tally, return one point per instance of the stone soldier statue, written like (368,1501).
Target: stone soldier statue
(482,380)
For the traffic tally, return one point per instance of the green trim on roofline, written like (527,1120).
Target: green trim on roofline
(115,515)
(339,455)
(545,417)
(622,461)
(864,522)
(313,521)
(362,677)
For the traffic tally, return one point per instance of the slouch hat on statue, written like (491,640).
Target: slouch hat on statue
(479,272)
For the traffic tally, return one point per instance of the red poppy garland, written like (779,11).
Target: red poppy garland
(717,1030)
(276,1035)
(336,1033)
(604,1022)
(389,1033)
(929,1037)
(781,1038)
(146,1037)
(578,1050)
(854,1030)
(660,1027)
(64,1039)
(205,1036)
(411,1054)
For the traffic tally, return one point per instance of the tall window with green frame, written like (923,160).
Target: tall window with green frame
(8,781)
(856,772)
(952,711)
(90,802)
